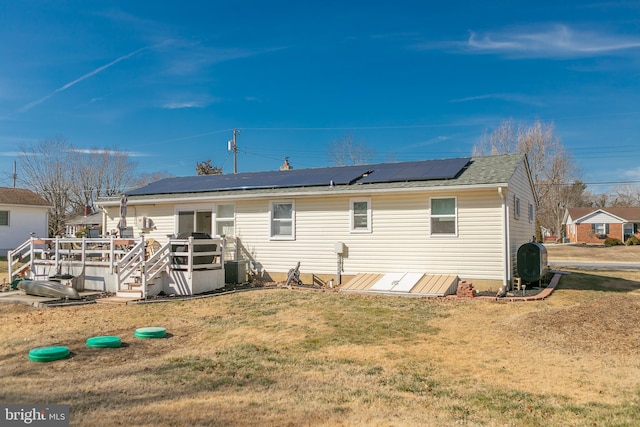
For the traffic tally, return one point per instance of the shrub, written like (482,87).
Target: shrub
(631,241)
(612,241)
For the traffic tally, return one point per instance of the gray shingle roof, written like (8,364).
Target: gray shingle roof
(480,171)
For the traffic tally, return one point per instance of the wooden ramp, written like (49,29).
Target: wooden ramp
(403,284)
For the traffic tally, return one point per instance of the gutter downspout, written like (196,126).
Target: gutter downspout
(505,240)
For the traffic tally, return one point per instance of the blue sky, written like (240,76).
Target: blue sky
(168,81)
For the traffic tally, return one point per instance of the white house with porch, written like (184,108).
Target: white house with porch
(463,217)
(410,224)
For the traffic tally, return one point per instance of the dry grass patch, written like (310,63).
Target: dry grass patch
(598,253)
(588,328)
(279,357)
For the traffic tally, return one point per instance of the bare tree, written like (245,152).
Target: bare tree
(46,169)
(345,151)
(99,173)
(70,178)
(206,168)
(553,172)
(501,140)
(626,195)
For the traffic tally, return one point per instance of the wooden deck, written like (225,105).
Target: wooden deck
(400,284)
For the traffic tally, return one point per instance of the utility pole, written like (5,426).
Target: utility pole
(15,174)
(233,146)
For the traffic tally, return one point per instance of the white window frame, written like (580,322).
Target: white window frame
(219,219)
(516,207)
(531,212)
(8,219)
(352,215)
(454,216)
(273,220)
(194,208)
(600,229)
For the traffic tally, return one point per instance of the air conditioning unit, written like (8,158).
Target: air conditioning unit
(143,222)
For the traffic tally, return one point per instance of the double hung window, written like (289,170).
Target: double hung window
(444,217)
(360,213)
(282,220)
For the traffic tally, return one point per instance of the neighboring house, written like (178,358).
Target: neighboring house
(22,213)
(594,225)
(464,217)
(89,221)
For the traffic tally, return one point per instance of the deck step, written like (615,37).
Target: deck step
(137,284)
(129,293)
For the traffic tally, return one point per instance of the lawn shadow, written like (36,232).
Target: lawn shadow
(605,281)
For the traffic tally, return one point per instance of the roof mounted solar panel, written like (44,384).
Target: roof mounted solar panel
(425,170)
(255,180)
(340,175)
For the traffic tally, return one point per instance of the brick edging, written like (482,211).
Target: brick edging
(545,293)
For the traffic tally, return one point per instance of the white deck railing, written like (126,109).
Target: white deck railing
(128,259)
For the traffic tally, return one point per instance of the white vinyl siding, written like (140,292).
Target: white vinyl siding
(400,240)
(18,223)
(520,232)
(601,217)
(392,246)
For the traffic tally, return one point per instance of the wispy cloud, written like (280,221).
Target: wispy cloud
(176,105)
(551,41)
(508,97)
(10,153)
(84,77)
(431,141)
(191,58)
(558,41)
(186,101)
(111,152)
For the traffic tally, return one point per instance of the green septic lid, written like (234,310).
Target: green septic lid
(48,354)
(150,332)
(104,342)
